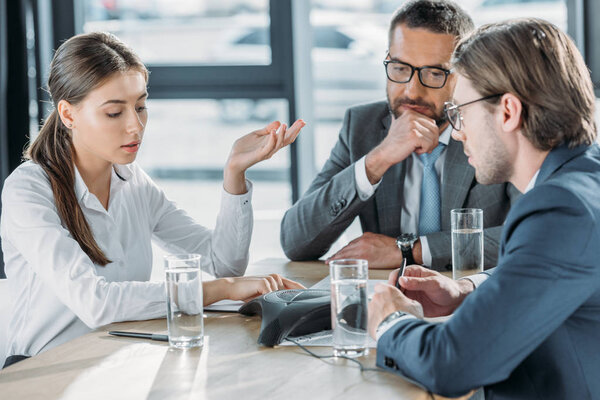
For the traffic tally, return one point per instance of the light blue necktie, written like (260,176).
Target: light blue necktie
(431,199)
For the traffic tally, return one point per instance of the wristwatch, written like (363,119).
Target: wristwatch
(405,243)
(388,321)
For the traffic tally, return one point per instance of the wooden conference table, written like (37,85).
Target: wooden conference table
(230,366)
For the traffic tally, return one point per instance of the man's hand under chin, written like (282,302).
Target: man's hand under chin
(379,250)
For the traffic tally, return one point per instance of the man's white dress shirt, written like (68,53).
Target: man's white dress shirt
(59,294)
(411,194)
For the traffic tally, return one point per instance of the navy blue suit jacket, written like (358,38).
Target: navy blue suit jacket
(531,330)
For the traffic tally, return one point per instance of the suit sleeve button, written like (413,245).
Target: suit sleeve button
(390,363)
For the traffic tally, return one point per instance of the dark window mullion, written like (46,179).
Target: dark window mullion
(592,37)
(242,77)
(4,153)
(283,59)
(160,91)
(580,26)
(63,21)
(14,118)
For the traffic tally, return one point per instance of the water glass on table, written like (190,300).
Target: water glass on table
(349,305)
(184,300)
(467,241)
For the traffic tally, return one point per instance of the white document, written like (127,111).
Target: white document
(320,339)
(225,306)
(325,284)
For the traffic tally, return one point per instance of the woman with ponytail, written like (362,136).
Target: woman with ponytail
(78,217)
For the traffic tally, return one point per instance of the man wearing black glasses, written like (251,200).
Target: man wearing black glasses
(395,164)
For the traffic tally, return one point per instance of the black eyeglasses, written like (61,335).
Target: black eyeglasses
(452,111)
(401,72)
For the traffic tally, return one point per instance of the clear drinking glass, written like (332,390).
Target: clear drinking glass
(184,300)
(467,241)
(349,307)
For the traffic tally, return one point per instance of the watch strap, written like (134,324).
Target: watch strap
(408,255)
(390,321)
(406,243)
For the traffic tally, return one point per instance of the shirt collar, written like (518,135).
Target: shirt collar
(531,183)
(119,177)
(445,135)
(80,186)
(123,171)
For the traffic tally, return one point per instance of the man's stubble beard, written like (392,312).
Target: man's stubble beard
(497,167)
(438,116)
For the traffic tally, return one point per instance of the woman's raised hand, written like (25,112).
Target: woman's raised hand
(255,147)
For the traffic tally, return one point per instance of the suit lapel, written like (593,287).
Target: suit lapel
(458,177)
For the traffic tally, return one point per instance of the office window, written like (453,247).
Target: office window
(191,138)
(166,32)
(488,11)
(349,42)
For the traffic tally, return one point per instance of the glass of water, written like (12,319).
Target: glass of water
(467,241)
(184,300)
(349,307)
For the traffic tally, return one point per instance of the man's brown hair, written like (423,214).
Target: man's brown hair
(437,16)
(540,64)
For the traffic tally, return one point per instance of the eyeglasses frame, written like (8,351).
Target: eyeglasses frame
(451,106)
(418,69)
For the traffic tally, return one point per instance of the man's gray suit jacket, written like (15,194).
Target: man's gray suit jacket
(331,203)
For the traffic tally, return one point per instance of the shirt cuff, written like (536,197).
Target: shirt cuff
(425,252)
(240,200)
(477,279)
(383,328)
(363,186)
(189,296)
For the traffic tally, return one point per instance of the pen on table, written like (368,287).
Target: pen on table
(152,336)
(400,273)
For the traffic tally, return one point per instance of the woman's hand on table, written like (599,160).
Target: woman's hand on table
(246,287)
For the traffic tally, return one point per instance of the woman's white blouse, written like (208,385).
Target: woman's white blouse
(59,294)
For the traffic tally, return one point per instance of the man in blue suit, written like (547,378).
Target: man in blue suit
(525,115)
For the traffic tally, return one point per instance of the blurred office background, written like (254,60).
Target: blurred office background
(222,68)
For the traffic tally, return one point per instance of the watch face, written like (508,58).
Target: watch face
(407,239)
